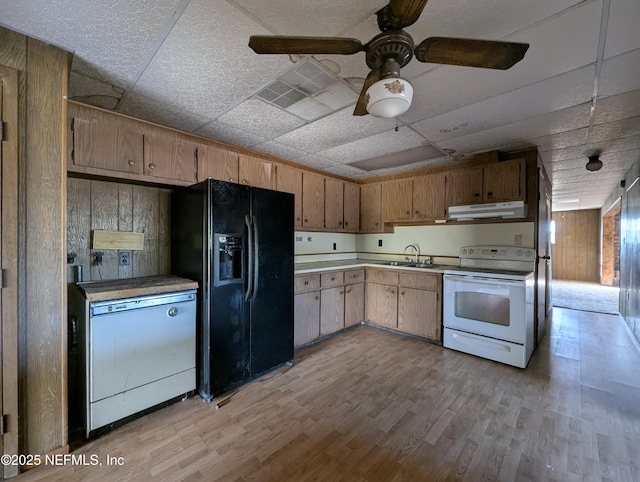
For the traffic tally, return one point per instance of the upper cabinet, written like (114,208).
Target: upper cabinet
(371,208)
(256,172)
(104,143)
(494,182)
(419,198)
(351,207)
(333,204)
(170,156)
(312,201)
(289,179)
(217,163)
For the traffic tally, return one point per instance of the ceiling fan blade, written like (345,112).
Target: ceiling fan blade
(406,12)
(263,44)
(489,54)
(361,105)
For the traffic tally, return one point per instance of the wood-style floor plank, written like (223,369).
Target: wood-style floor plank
(369,405)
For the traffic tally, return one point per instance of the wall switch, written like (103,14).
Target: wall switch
(309,238)
(298,239)
(517,239)
(124,258)
(380,242)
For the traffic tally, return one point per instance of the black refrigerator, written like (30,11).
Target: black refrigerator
(237,242)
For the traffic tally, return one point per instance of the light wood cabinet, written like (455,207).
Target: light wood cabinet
(256,172)
(397,200)
(353,304)
(306,317)
(429,196)
(381,304)
(494,182)
(101,143)
(312,201)
(416,313)
(371,208)
(170,157)
(331,310)
(333,204)
(217,163)
(289,179)
(351,207)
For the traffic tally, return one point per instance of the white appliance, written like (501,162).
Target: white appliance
(140,352)
(505,210)
(488,304)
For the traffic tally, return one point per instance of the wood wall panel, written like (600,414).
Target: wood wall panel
(576,252)
(116,206)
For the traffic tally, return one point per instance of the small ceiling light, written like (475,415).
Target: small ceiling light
(594,164)
(389,98)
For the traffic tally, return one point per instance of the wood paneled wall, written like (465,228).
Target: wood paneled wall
(42,304)
(118,207)
(576,252)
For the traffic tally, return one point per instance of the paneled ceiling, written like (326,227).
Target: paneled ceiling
(186,64)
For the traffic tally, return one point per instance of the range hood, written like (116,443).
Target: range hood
(505,210)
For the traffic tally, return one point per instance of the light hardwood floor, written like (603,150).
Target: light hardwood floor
(372,405)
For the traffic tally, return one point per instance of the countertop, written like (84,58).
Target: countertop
(317,267)
(126,288)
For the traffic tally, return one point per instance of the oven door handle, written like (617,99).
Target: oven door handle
(480,279)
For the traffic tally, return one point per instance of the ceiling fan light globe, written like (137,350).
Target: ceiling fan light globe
(389,98)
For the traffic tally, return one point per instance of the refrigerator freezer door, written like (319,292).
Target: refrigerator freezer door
(272,300)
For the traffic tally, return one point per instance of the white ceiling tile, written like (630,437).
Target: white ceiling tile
(154,110)
(260,118)
(620,74)
(280,150)
(231,135)
(616,107)
(622,31)
(209,43)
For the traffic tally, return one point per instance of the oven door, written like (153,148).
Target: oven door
(485,306)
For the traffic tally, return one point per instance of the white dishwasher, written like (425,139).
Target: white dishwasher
(139,351)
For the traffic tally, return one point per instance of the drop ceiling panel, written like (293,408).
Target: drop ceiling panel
(624,15)
(280,150)
(334,130)
(619,106)
(260,118)
(620,74)
(209,43)
(109,39)
(226,133)
(154,110)
(310,17)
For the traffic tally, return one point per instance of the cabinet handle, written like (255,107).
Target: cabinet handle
(297,219)
(489,194)
(393,292)
(342,292)
(317,297)
(376,224)
(332,278)
(132,163)
(306,283)
(476,194)
(232,179)
(306,220)
(346,223)
(407,212)
(339,223)
(348,291)
(152,166)
(417,212)
(402,293)
(244,181)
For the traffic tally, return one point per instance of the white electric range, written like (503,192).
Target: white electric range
(488,305)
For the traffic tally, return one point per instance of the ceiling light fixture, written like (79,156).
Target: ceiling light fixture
(594,164)
(390,96)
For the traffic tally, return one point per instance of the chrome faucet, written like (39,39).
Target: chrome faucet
(416,249)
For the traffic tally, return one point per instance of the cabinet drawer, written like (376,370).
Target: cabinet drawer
(422,281)
(383,276)
(334,278)
(306,282)
(354,276)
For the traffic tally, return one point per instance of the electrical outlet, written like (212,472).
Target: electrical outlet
(124,258)
(517,239)
(379,243)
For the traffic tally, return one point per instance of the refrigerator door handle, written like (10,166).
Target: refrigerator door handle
(256,254)
(248,222)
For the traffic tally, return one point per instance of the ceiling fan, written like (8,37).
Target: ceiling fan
(391,50)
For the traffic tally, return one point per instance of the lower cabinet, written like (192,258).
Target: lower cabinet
(353,304)
(381,303)
(416,314)
(331,310)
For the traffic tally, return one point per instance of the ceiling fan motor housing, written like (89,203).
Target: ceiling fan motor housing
(396,45)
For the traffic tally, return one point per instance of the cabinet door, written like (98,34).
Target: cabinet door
(331,310)
(418,313)
(397,200)
(464,186)
(306,317)
(254,171)
(429,196)
(351,207)
(371,208)
(289,179)
(217,163)
(170,157)
(333,204)
(102,144)
(381,304)
(353,304)
(312,200)
(504,181)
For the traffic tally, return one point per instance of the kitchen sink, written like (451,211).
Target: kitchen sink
(410,264)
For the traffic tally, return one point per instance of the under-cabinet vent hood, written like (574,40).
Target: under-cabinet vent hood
(505,210)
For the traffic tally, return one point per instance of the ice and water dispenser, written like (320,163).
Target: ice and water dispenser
(228,259)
